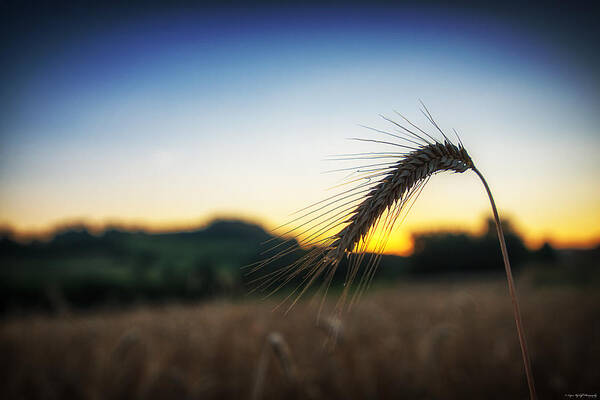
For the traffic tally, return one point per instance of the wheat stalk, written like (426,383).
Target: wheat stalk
(384,191)
(282,352)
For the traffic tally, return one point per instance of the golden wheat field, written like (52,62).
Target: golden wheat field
(410,341)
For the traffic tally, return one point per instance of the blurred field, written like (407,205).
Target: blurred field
(414,341)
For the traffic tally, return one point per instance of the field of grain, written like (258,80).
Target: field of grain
(412,341)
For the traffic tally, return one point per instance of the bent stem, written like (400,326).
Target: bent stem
(511,289)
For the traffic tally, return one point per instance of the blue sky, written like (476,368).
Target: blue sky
(169,118)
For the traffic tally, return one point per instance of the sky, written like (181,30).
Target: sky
(168,117)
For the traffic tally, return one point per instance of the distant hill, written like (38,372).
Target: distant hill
(76,268)
(123,266)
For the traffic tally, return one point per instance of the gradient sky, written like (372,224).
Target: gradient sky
(169,117)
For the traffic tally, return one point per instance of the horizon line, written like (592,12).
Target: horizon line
(99,228)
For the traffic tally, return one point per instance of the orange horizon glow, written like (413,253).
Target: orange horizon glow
(400,242)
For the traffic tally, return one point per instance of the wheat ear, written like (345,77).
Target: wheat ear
(384,191)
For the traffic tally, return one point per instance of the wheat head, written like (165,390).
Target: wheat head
(344,225)
(393,187)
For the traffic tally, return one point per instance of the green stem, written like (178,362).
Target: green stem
(511,289)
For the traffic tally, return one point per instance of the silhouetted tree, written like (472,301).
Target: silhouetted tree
(444,252)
